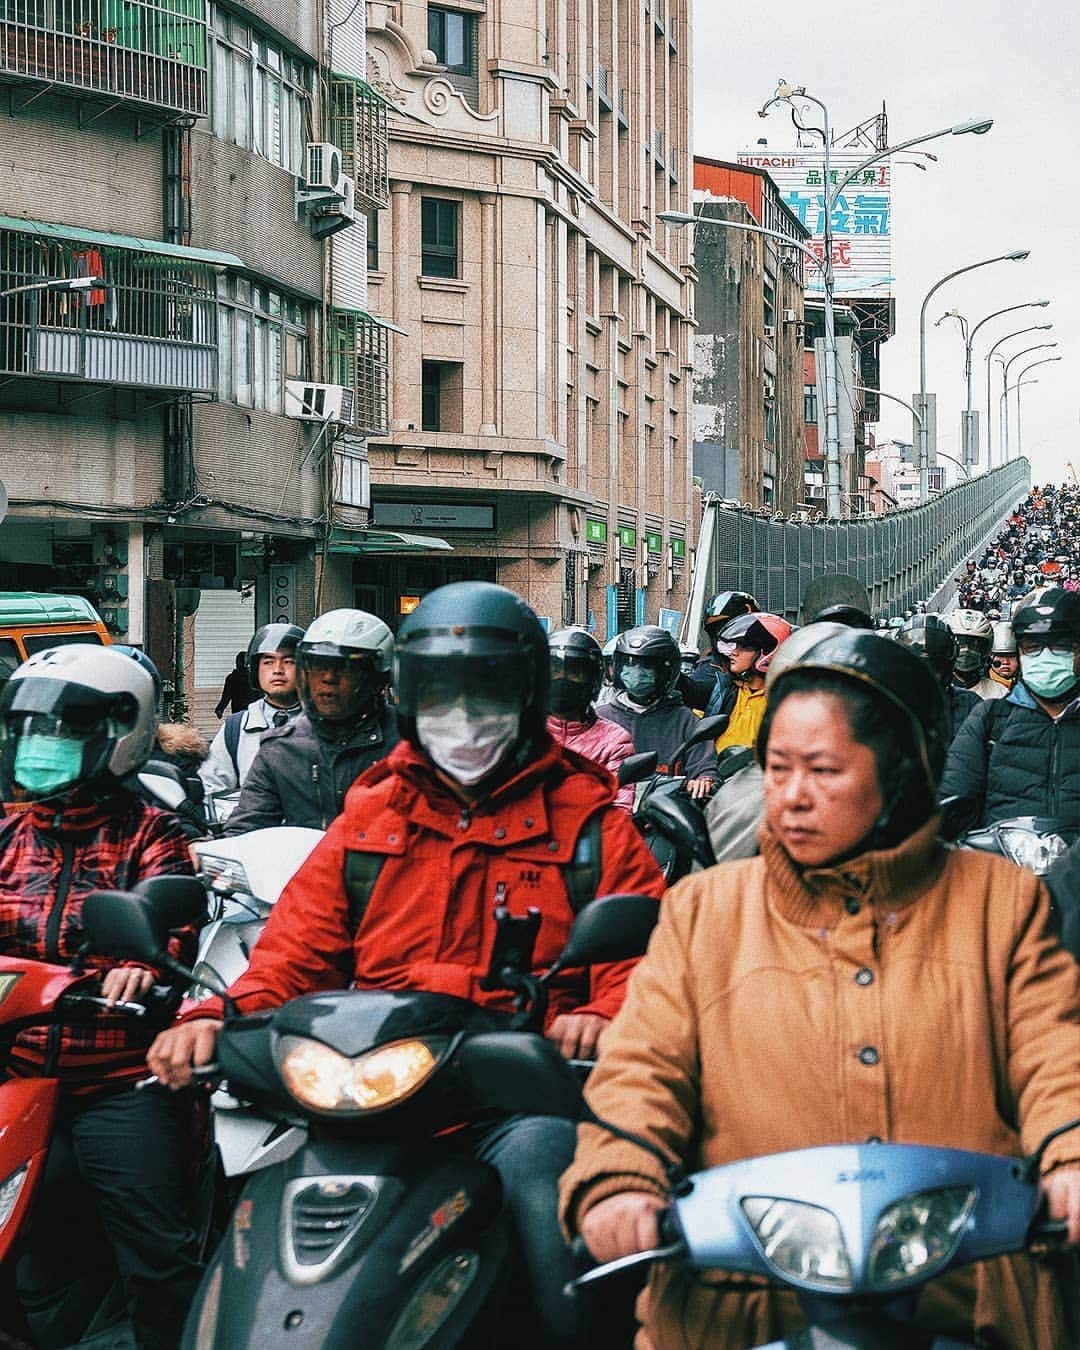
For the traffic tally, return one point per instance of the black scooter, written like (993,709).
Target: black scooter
(377,1231)
(670,820)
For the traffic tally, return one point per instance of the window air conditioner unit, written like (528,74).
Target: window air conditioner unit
(319,402)
(324,170)
(769,333)
(791,316)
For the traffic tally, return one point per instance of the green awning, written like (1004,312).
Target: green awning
(385,541)
(363,87)
(45,229)
(370,318)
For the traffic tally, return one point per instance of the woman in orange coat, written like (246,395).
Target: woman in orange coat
(857,981)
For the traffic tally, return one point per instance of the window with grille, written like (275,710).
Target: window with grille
(359,358)
(260,94)
(358,128)
(439,236)
(262,342)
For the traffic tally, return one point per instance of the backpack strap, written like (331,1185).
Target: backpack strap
(361,873)
(582,872)
(233,727)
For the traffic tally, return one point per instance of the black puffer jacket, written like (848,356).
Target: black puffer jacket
(302,772)
(1014,760)
(961,701)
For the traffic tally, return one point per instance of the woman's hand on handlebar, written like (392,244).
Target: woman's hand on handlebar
(175,1052)
(1062,1191)
(699,788)
(126,984)
(623,1224)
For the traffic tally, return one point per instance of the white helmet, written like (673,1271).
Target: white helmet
(356,641)
(1004,643)
(971,623)
(72,716)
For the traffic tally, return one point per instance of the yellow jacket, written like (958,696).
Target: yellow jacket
(916,995)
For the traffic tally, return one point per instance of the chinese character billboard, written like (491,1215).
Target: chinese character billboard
(861,213)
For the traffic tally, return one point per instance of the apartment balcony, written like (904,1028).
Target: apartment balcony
(359,359)
(358,128)
(150,54)
(604,89)
(151,324)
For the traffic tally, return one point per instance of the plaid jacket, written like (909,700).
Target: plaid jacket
(50,861)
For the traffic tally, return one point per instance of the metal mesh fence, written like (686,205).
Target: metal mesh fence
(900,558)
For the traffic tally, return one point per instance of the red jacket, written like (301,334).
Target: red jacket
(50,861)
(598,739)
(429,923)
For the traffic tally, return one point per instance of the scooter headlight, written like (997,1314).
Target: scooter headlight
(802,1242)
(919,1234)
(223,874)
(10,1188)
(8,983)
(1039,852)
(324,1080)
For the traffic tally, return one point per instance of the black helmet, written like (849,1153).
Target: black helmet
(476,637)
(576,666)
(931,635)
(849,615)
(894,671)
(652,646)
(1053,613)
(270,638)
(725,606)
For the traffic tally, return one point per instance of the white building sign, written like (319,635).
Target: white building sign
(861,214)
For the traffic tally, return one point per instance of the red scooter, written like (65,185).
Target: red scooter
(35,994)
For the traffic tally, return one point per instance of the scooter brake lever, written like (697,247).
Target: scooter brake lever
(200,1073)
(624,1263)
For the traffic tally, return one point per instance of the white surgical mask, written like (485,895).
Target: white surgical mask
(466,740)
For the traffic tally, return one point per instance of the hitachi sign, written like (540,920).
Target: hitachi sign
(768,161)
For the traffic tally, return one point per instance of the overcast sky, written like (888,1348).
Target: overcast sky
(936,64)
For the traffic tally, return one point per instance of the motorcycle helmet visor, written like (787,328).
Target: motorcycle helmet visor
(486,684)
(57,732)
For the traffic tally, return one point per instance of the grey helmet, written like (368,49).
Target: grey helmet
(98,696)
(1004,642)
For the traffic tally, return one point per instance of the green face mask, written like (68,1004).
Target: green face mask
(46,764)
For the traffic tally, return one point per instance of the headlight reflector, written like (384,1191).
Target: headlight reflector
(324,1080)
(1039,852)
(9,1192)
(8,983)
(801,1241)
(223,874)
(919,1234)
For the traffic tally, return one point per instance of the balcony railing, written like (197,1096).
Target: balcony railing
(603,87)
(360,359)
(148,53)
(151,325)
(358,128)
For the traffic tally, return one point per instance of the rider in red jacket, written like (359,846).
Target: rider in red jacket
(477,808)
(77,722)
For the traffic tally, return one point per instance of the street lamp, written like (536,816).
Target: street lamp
(787,93)
(969,342)
(1019,332)
(1038,347)
(1046,360)
(862,388)
(55,284)
(924,468)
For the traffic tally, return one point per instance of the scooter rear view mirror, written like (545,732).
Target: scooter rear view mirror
(180,902)
(706,730)
(636,768)
(121,923)
(609,928)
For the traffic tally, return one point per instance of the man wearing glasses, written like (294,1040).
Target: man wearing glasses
(1020,755)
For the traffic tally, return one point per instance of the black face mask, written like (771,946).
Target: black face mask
(568,700)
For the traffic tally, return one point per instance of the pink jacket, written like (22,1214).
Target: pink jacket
(607,743)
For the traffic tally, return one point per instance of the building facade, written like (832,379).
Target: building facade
(182,271)
(748,404)
(540,385)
